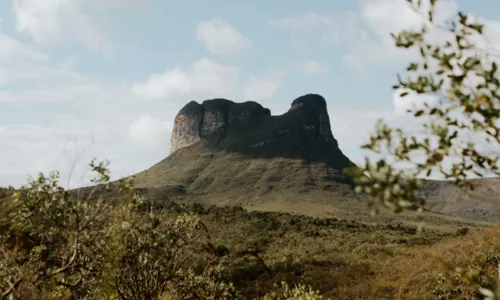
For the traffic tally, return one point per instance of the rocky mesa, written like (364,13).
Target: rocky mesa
(248,128)
(227,148)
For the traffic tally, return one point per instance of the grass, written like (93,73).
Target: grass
(198,174)
(363,257)
(343,259)
(285,220)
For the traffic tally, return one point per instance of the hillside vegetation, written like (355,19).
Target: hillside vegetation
(101,245)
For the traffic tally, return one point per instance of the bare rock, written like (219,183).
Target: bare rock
(209,120)
(248,128)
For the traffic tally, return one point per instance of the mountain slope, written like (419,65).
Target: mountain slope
(222,146)
(229,153)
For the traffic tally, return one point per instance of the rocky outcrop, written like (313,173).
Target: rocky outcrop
(303,132)
(209,120)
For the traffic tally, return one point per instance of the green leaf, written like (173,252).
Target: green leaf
(419,113)
(412,67)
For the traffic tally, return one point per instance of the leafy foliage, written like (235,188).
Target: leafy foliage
(284,291)
(64,246)
(60,239)
(135,248)
(469,282)
(462,77)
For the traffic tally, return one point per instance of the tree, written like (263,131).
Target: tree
(462,75)
(59,239)
(109,243)
(104,243)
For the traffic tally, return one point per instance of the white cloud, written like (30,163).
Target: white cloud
(115,119)
(220,37)
(365,35)
(12,50)
(383,17)
(373,47)
(20,61)
(301,21)
(354,61)
(412,101)
(311,67)
(263,88)
(205,79)
(386,16)
(65,106)
(68,63)
(314,27)
(352,127)
(5,76)
(380,18)
(49,22)
(147,129)
(37,139)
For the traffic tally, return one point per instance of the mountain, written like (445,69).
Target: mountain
(482,203)
(229,153)
(238,153)
(248,128)
(220,145)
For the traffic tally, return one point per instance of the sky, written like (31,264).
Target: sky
(105,78)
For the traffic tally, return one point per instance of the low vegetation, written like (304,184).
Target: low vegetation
(63,244)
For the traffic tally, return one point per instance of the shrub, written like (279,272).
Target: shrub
(462,231)
(298,292)
(114,245)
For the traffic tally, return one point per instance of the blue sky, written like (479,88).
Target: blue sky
(108,76)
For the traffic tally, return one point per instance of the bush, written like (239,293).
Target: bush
(469,282)
(298,292)
(462,231)
(60,245)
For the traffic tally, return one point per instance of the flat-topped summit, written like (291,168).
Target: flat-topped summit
(248,128)
(211,118)
(239,152)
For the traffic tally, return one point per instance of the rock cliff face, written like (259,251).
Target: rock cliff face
(211,119)
(303,132)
